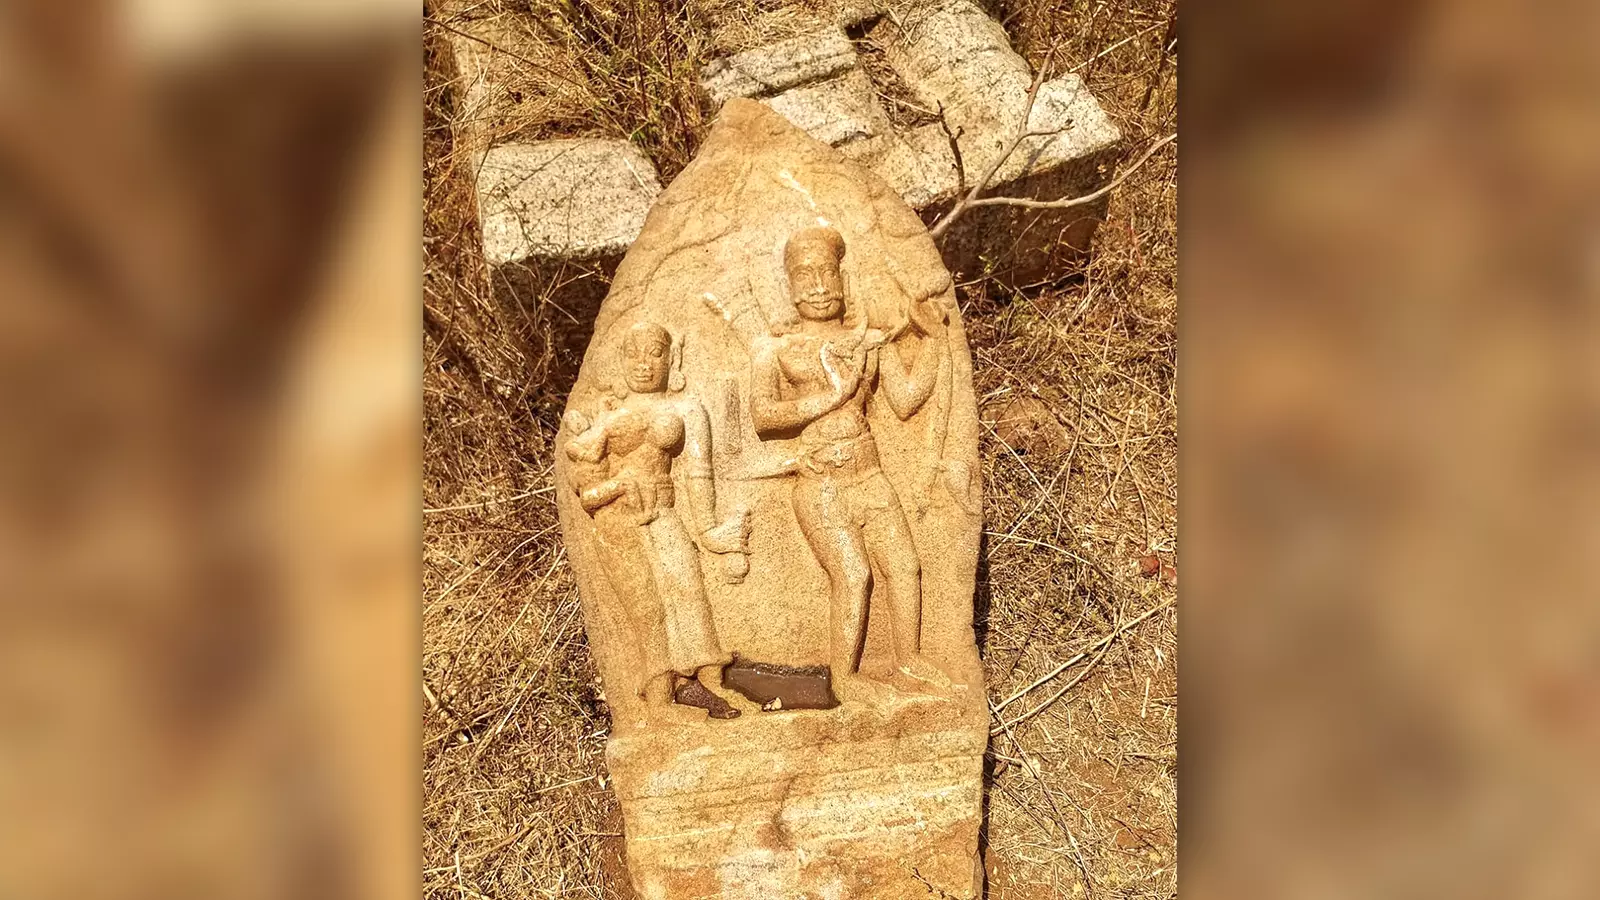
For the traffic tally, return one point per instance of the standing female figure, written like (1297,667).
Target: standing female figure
(624,480)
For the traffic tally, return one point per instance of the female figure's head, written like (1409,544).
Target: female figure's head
(647,361)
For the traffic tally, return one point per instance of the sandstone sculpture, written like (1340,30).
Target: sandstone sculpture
(770,500)
(626,484)
(820,379)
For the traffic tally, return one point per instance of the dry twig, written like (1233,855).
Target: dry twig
(1008,724)
(1061,820)
(969,196)
(537,66)
(1022,133)
(1077,658)
(954,137)
(1086,198)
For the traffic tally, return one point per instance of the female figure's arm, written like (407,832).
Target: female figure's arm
(602,494)
(587,447)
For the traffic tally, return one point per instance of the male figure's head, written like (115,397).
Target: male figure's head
(811,258)
(647,358)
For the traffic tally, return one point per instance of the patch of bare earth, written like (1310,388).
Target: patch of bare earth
(1082,790)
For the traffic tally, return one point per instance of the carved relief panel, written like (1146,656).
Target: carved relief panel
(769,492)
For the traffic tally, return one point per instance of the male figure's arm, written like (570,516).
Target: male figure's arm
(769,412)
(908,388)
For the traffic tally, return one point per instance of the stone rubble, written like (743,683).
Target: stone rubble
(952,56)
(558,215)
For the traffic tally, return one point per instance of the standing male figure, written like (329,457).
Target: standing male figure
(818,380)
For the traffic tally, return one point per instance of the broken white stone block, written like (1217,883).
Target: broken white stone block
(767,70)
(835,111)
(556,218)
(917,164)
(563,199)
(953,55)
(949,55)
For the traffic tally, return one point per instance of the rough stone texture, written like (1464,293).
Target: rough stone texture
(557,217)
(767,70)
(711,508)
(834,111)
(576,199)
(815,803)
(952,55)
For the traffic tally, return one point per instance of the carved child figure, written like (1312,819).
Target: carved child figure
(623,479)
(818,380)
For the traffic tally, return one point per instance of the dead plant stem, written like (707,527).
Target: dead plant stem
(1079,657)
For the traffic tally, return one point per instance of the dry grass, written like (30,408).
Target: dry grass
(1082,795)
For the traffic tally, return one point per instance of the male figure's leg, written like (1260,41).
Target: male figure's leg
(841,550)
(887,535)
(888,542)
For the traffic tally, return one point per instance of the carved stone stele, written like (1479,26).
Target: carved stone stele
(769,489)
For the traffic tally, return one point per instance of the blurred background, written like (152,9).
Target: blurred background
(1391,263)
(208,474)
(209,497)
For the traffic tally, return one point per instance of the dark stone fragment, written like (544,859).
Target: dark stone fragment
(777,686)
(693,693)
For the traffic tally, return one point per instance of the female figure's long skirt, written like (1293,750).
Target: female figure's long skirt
(654,570)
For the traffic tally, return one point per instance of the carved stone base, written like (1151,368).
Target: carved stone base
(843,804)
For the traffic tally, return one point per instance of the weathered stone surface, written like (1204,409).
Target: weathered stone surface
(767,70)
(814,80)
(917,164)
(567,199)
(951,55)
(771,450)
(838,804)
(835,111)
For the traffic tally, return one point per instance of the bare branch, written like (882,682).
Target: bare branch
(1022,132)
(969,196)
(955,150)
(1099,648)
(1086,198)
(1097,645)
